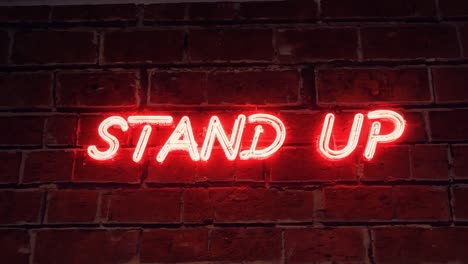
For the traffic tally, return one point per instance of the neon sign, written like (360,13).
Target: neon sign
(182,137)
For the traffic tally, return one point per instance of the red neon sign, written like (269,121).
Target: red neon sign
(182,137)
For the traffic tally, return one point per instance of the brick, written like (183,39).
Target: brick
(373,86)
(421,203)
(319,245)
(246,244)
(9,166)
(420,244)
(176,168)
(415,130)
(450,83)
(451,125)
(4,46)
(53,47)
(61,130)
(71,206)
(429,162)
(177,87)
(120,169)
(198,207)
(304,164)
(48,166)
(454,8)
(211,11)
(235,45)
(100,246)
(460,207)
(15,246)
(357,203)
(459,165)
(365,9)
(97,89)
(17,90)
(319,44)
(181,245)
(165,12)
(22,131)
(91,13)
(20,207)
(248,204)
(281,10)
(262,87)
(143,46)
(145,205)
(389,164)
(420,41)
(463,30)
(24,14)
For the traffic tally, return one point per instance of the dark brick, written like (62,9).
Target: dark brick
(26,90)
(319,44)
(410,42)
(54,47)
(119,169)
(389,164)
(61,130)
(20,207)
(143,46)
(246,244)
(421,203)
(305,164)
(358,203)
(453,8)
(4,46)
(97,89)
(450,84)
(429,162)
(318,245)
(373,86)
(146,205)
(177,87)
(48,166)
(247,204)
(165,245)
(278,10)
(460,206)
(76,246)
(91,13)
(15,246)
(165,12)
(9,166)
(420,244)
(335,9)
(460,166)
(28,14)
(230,45)
(71,206)
(449,125)
(211,11)
(22,130)
(463,30)
(262,87)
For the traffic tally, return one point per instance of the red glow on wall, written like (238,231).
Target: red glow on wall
(182,137)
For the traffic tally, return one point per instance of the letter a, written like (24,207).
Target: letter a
(187,143)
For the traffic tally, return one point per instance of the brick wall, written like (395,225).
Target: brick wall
(65,68)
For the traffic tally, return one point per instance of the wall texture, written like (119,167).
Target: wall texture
(64,69)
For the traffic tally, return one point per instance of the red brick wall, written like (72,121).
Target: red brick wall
(64,69)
